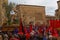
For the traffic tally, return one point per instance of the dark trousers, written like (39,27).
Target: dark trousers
(22,38)
(54,38)
(40,38)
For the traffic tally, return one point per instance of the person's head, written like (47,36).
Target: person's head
(16,36)
(12,36)
(6,35)
(27,26)
(1,37)
(31,23)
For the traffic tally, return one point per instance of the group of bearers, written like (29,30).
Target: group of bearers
(31,32)
(37,32)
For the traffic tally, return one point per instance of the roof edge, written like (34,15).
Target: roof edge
(30,5)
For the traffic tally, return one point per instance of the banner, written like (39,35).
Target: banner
(55,23)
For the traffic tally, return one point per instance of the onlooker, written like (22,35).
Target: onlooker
(15,31)
(21,36)
(1,38)
(14,38)
(6,37)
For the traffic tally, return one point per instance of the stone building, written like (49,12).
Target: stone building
(2,11)
(5,1)
(49,18)
(35,14)
(57,14)
(31,13)
(28,13)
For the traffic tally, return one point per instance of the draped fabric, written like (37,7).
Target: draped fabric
(55,33)
(25,29)
(27,35)
(55,23)
(31,28)
(21,28)
(52,28)
(52,31)
(40,30)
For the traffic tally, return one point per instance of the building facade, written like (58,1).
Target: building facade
(2,11)
(57,14)
(31,13)
(48,18)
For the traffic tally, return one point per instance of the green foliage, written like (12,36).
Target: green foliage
(8,8)
(15,21)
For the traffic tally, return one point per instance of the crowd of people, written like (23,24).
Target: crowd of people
(29,32)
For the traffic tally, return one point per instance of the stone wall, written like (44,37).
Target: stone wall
(31,13)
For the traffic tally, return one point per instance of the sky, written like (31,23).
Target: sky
(51,5)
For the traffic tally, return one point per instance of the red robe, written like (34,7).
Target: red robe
(27,35)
